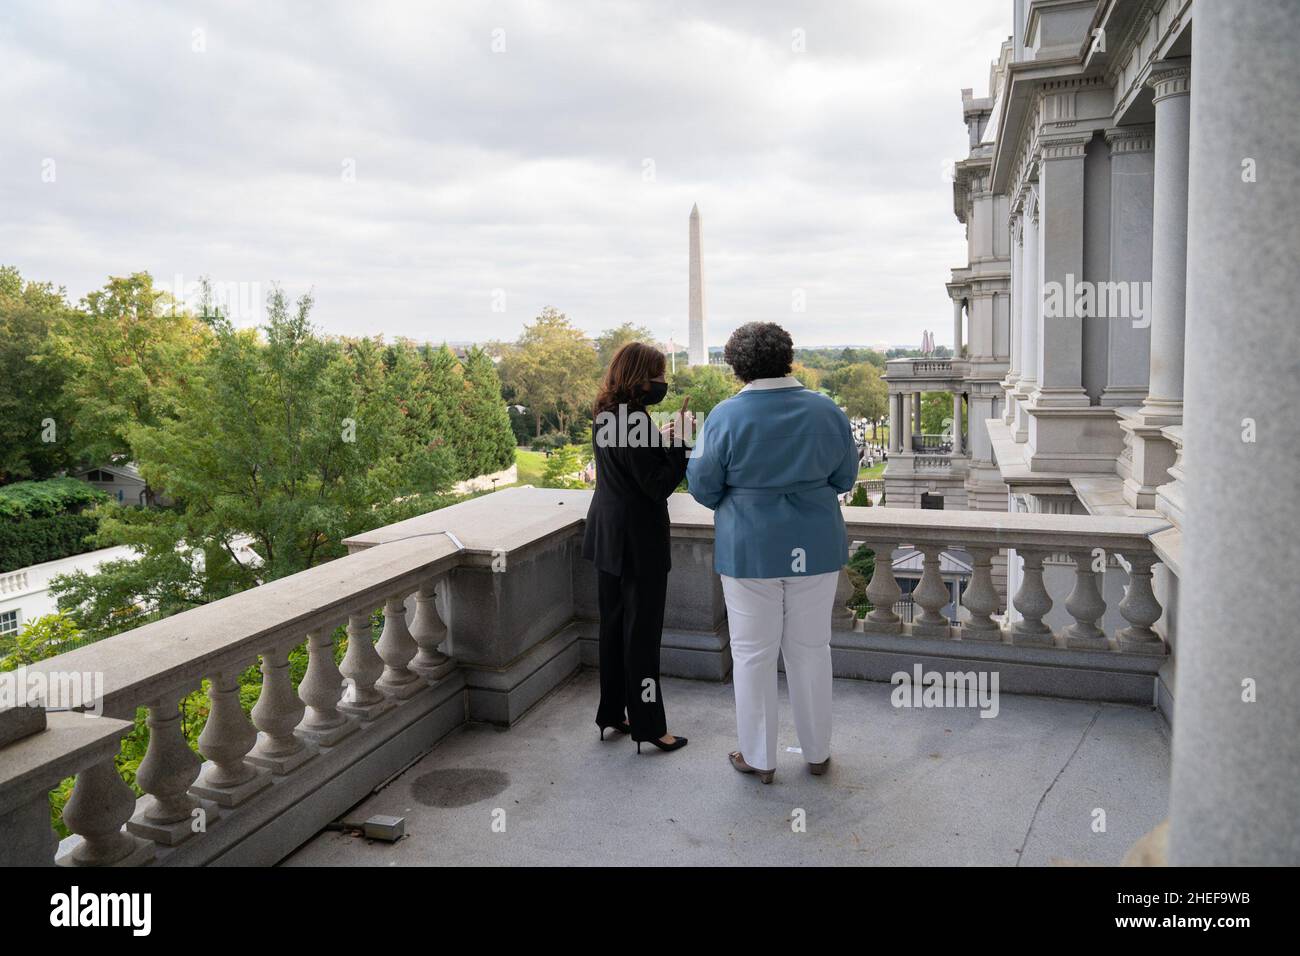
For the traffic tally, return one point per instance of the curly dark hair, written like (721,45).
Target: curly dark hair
(759,350)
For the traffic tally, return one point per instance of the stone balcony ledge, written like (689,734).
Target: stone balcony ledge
(488,608)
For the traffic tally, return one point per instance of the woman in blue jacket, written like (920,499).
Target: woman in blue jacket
(771,462)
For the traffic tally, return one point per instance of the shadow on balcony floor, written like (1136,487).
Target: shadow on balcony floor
(907,787)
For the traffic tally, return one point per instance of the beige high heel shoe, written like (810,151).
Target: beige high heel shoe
(738,761)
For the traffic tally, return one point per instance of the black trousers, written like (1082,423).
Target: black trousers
(631,626)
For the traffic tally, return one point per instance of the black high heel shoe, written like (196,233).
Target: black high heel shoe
(623,728)
(677,744)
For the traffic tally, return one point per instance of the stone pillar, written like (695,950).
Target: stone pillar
(1030,307)
(956,423)
(1152,453)
(916,414)
(1059,349)
(956,328)
(895,421)
(1171,83)
(1236,765)
(1128,344)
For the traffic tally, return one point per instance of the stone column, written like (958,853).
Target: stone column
(956,423)
(1059,349)
(1236,764)
(895,421)
(956,328)
(1030,307)
(1017,267)
(916,414)
(1128,343)
(1171,83)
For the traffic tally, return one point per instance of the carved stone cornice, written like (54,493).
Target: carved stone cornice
(1170,78)
(1063,147)
(1031,205)
(1131,139)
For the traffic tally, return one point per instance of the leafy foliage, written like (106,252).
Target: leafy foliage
(35,412)
(562,467)
(46,520)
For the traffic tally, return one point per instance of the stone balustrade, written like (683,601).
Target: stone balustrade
(255,769)
(1090,543)
(487,606)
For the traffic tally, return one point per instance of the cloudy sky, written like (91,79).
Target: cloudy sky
(443,170)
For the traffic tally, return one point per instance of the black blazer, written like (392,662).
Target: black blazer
(627,523)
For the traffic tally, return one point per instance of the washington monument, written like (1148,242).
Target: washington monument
(697,352)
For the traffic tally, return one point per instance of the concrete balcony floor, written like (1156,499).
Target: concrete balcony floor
(907,787)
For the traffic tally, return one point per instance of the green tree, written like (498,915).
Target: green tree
(553,370)
(863,393)
(707,385)
(274,452)
(936,413)
(808,377)
(611,340)
(36,428)
(485,412)
(125,348)
(562,467)
(38,639)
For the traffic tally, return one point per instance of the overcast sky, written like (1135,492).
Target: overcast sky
(445,170)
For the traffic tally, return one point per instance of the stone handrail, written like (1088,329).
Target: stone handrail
(158,664)
(383,703)
(920,367)
(1088,541)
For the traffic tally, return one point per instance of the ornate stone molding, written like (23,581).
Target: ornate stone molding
(1131,139)
(1063,147)
(1172,78)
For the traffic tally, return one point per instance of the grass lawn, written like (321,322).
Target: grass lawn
(875,471)
(531,465)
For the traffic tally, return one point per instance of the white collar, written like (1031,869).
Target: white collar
(785,381)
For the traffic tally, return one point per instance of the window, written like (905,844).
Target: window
(8,623)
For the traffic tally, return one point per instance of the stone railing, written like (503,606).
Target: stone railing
(919,368)
(1089,542)
(254,773)
(15,582)
(932,463)
(488,607)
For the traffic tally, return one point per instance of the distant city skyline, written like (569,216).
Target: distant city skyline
(430,173)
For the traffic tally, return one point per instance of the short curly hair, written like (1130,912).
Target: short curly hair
(759,350)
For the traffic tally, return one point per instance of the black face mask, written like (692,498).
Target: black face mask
(656,394)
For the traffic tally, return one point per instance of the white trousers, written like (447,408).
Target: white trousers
(790,617)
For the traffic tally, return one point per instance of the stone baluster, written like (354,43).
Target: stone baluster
(276,714)
(1140,608)
(1033,602)
(396,648)
(1086,606)
(883,591)
(428,631)
(320,690)
(227,737)
(100,804)
(843,617)
(930,596)
(981,599)
(362,666)
(167,813)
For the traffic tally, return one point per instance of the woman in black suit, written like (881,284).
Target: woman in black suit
(627,538)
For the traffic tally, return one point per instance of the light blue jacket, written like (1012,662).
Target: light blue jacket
(771,462)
